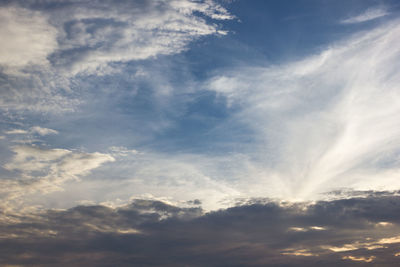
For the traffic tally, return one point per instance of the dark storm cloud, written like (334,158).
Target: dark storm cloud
(336,233)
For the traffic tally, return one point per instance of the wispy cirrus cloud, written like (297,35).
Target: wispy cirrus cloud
(329,117)
(369,14)
(144,174)
(39,170)
(16,131)
(33,130)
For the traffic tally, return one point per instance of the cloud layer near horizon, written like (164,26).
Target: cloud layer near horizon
(337,233)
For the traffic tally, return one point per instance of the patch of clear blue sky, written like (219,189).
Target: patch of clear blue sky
(263,33)
(274,32)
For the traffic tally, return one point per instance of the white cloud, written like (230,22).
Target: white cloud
(33,130)
(30,83)
(37,89)
(16,131)
(91,36)
(369,14)
(170,178)
(127,31)
(42,170)
(81,37)
(122,151)
(43,50)
(27,37)
(42,131)
(328,121)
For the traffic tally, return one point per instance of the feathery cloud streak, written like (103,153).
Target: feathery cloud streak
(369,14)
(330,120)
(35,170)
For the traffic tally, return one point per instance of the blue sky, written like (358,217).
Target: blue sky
(241,100)
(211,102)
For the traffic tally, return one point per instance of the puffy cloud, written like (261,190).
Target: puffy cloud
(252,234)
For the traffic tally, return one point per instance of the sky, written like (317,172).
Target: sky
(208,133)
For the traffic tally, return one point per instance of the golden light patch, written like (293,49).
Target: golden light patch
(364,259)
(298,252)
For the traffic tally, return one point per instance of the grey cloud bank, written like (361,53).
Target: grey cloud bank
(261,233)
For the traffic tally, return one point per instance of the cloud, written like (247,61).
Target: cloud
(92,40)
(167,177)
(330,119)
(91,35)
(49,44)
(27,80)
(16,131)
(364,259)
(33,130)
(324,122)
(253,234)
(36,90)
(122,151)
(42,170)
(369,14)
(30,39)
(42,131)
